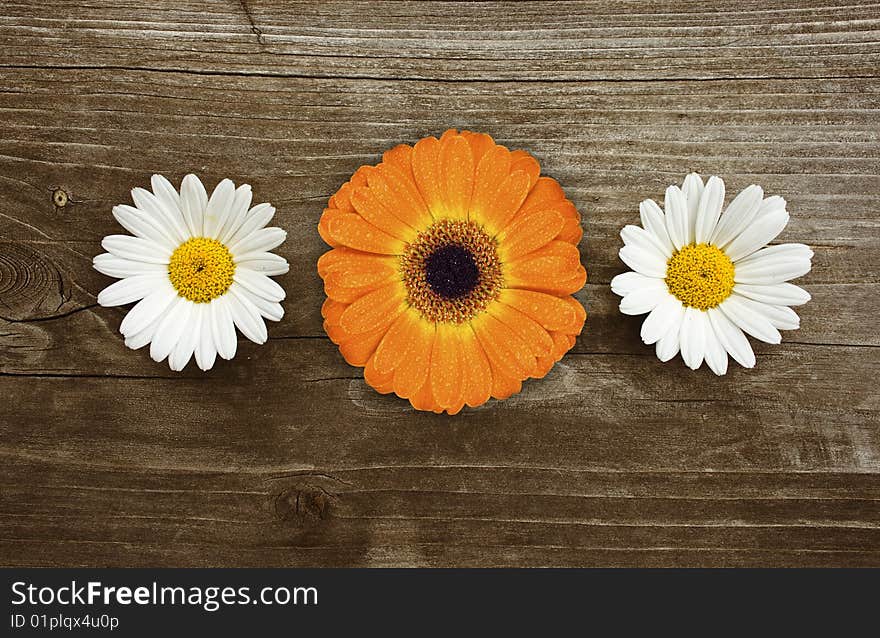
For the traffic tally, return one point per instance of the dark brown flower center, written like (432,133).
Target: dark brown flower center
(451,271)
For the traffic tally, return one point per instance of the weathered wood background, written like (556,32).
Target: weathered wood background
(284,456)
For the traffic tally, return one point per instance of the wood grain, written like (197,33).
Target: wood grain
(285,456)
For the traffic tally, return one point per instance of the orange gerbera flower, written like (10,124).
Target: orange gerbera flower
(451,273)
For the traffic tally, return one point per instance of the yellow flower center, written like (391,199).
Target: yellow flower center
(201,269)
(700,276)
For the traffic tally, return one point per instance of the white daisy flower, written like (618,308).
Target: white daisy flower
(197,267)
(707,278)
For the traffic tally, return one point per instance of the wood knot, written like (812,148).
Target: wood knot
(31,285)
(60,198)
(304,504)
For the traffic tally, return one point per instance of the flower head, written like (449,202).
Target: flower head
(451,272)
(706,278)
(197,268)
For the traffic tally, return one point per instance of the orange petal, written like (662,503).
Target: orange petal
(504,385)
(382,383)
(553,267)
(352,230)
(368,205)
(426,172)
(544,193)
(481,143)
(332,310)
(552,312)
(350,288)
(446,366)
(508,199)
(477,374)
(397,191)
(401,157)
(412,372)
(523,161)
(571,231)
(457,173)
(547,274)
(450,132)
(504,349)
(492,170)
(423,399)
(341,199)
(358,349)
(322,226)
(529,233)
(354,262)
(580,317)
(562,343)
(533,335)
(403,338)
(378,308)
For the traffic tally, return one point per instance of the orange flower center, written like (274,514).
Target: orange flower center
(451,271)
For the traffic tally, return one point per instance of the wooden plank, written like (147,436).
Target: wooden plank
(285,456)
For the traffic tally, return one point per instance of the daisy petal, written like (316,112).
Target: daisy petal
(185,347)
(114,266)
(716,355)
(732,338)
(261,240)
(666,314)
(222,327)
(166,194)
(778,251)
(256,218)
(219,207)
(654,222)
(709,210)
(644,242)
(668,345)
(170,329)
(773,272)
(760,232)
(651,264)
(148,309)
(627,282)
(193,202)
(139,339)
(205,350)
(738,216)
(694,326)
(141,225)
(693,188)
(754,323)
(259,284)
(246,315)
(270,310)
(241,204)
(677,223)
(644,300)
(170,219)
(266,263)
(776,294)
(136,248)
(130,289)
(780,317)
